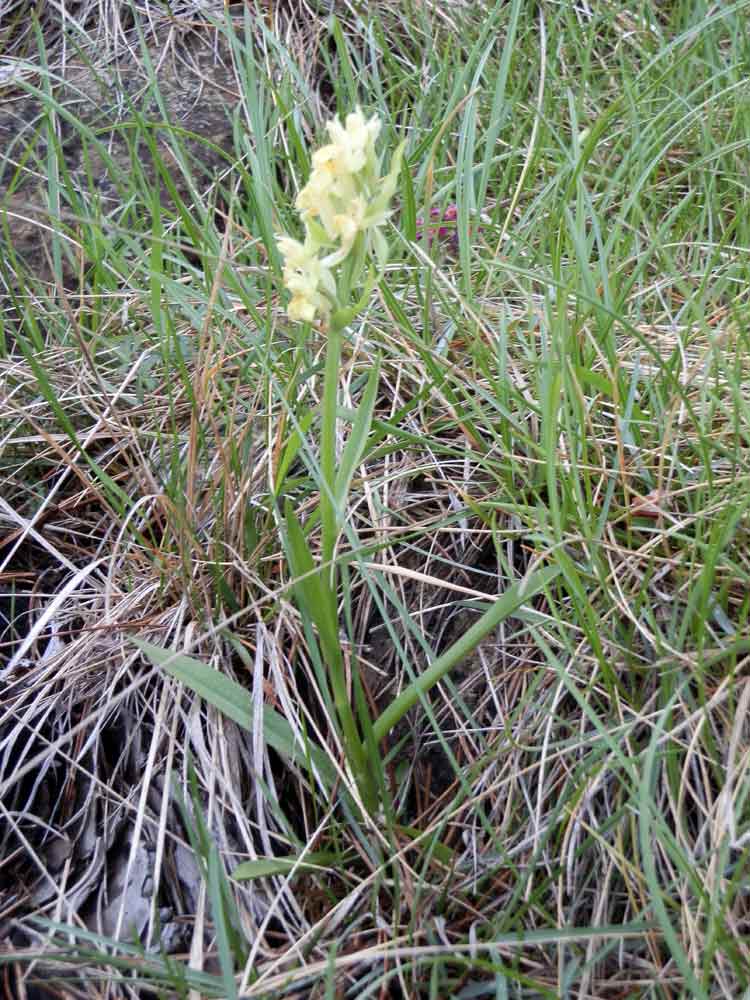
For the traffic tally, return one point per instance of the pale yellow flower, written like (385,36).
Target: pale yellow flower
(308,279)
(318,188)
(323,195)
(338,171)
(350,149)
(334,161)
(295,254)
(315,202)
(301,309)
(353,142)
(347,224)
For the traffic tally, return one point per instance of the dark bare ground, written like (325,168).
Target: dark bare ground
(93,126)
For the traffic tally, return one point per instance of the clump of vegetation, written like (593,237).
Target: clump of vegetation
(389,640)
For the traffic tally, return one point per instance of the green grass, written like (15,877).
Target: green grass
(556,807)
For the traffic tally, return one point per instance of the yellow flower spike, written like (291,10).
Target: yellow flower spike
(344,196)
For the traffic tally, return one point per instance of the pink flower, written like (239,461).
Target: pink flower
(439,231)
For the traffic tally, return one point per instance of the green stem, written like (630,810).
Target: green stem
(328,448)
(329,524)
(353,745)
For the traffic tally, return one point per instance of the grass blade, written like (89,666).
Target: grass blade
(503,607)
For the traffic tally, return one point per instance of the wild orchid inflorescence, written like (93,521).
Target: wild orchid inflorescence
(343,207)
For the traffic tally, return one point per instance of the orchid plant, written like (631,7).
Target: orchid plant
(330,274)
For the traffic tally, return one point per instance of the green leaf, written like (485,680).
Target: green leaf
(345,65)
(504,606)
(263,867)
(291,449)
(500,106)
(381,248)
(226,963)
(317,600)
(355,446)
(389,183)
(314,596)
(233,700)
(408,204)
